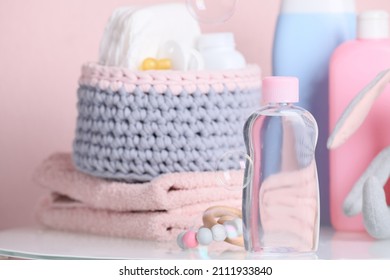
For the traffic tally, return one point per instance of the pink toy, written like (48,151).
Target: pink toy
(353,65)
(367,195)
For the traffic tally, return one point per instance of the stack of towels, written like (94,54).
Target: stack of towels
(156,210)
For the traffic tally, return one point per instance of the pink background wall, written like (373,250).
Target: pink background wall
(42,46)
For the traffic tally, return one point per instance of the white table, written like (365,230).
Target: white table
(38,243)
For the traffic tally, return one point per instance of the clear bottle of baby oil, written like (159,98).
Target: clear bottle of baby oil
(281,198)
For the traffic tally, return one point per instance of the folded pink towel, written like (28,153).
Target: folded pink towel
(168,191)
(62,214)
(157,210)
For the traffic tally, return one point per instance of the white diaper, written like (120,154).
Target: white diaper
(134,33)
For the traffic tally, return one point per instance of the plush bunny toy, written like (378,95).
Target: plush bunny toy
(367,195)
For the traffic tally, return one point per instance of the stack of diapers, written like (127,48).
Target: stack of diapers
(135,33)
(147,143)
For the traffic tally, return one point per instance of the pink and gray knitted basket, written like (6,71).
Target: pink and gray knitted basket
(134,126)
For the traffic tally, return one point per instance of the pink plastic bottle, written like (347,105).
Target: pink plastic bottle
(353,65)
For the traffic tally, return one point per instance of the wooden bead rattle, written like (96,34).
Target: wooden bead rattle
(220,223)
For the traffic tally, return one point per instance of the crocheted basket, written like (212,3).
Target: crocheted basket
(135,126)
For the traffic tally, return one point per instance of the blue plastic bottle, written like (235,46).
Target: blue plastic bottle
(307,33)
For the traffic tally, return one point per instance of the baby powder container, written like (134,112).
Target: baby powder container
(307,33)
(281,199)
(219,53)
(353,65)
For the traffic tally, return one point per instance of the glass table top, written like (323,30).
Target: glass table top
(39,243)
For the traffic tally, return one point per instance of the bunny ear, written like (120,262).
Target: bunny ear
(357,110)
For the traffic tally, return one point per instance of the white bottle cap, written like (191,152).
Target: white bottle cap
(317,6)
(215,40)
(373,25)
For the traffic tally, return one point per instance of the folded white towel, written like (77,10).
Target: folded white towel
(133,34)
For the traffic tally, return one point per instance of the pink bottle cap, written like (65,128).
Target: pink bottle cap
(280,90)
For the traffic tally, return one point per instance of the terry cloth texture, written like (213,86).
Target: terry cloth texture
(157,210)
(64,214)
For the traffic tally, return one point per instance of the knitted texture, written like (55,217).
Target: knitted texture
(115,78)
(137,135)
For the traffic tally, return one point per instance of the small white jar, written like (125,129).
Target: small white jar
(219,53)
